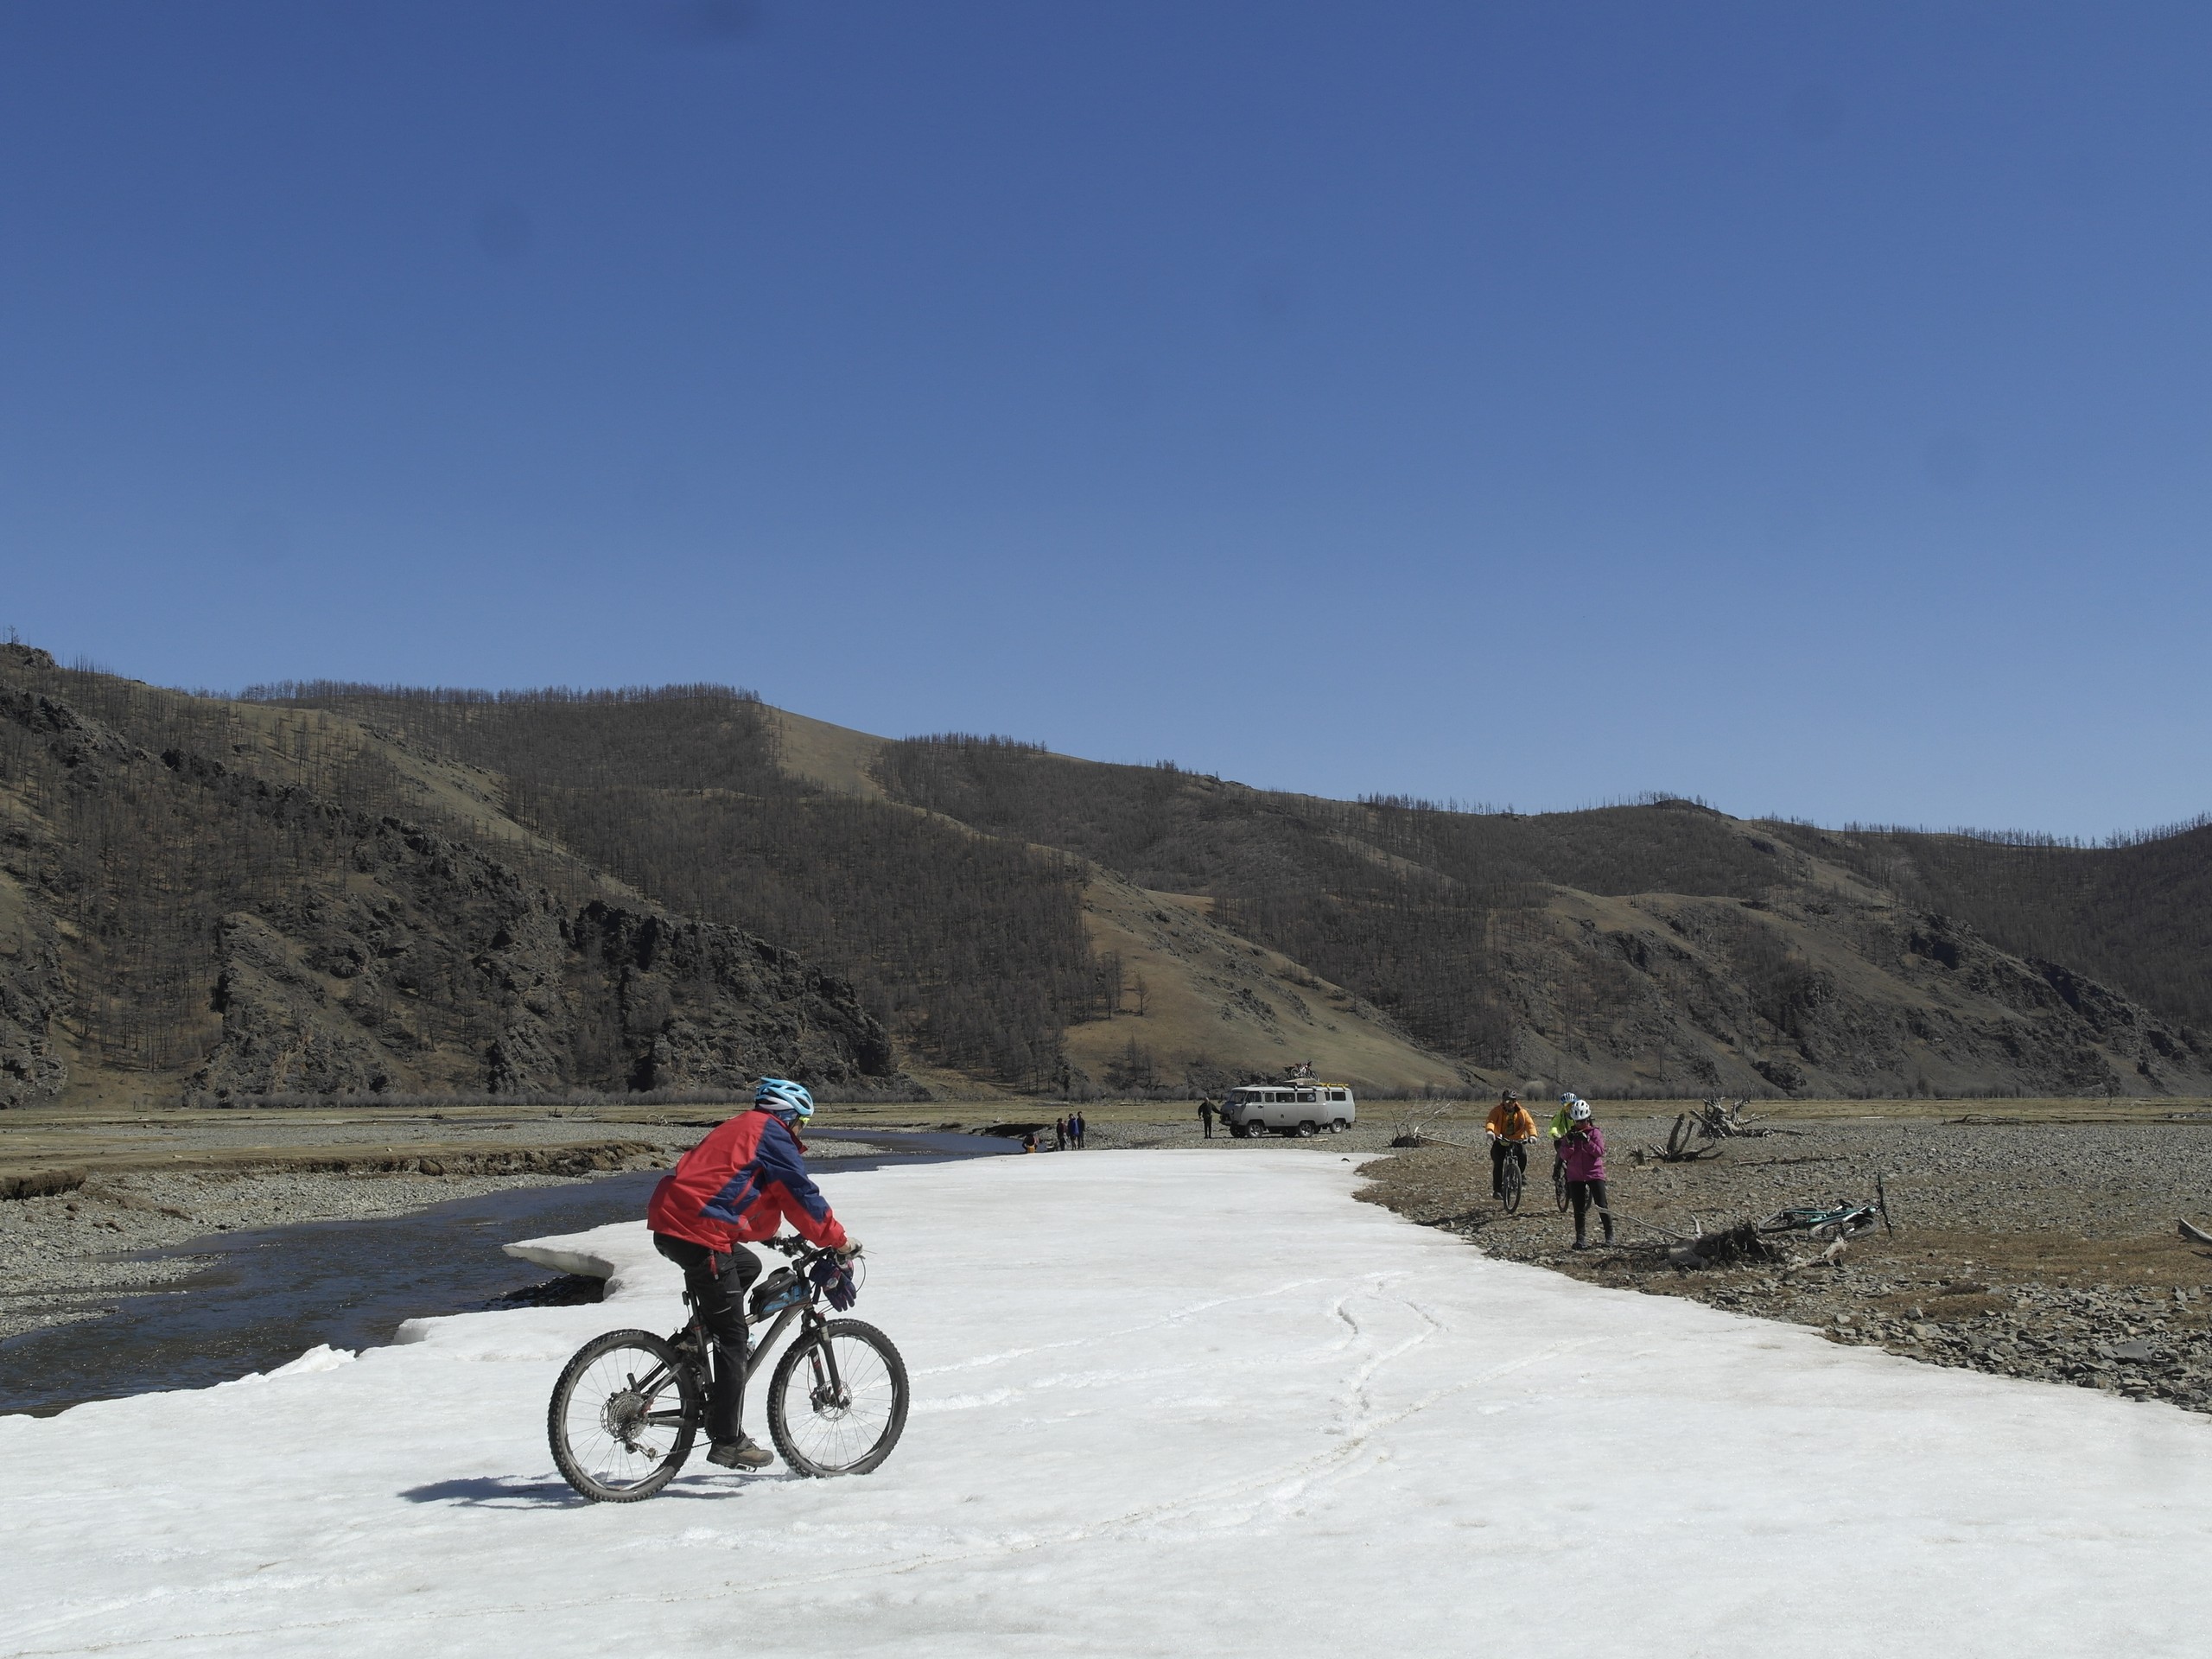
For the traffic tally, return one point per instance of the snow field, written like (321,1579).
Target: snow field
(1165,1403)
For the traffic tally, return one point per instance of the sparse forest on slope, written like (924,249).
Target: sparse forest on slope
(235,900)
(1658,949)
(334,887)
(970,947)
(2132,914)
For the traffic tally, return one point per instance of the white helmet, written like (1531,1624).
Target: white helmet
(1580,1111)
(1568,1099)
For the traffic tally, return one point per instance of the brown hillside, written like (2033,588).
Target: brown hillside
(197,897)
(348,886)
(1200,1009)
(1651,948)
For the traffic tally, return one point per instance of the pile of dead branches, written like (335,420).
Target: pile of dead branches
(1731,1247)
(1699,1133)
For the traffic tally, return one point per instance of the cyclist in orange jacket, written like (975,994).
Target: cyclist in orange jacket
(1510,1129)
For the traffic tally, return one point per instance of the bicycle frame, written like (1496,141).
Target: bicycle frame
(805,1310)
(695,1344)
(1848,1220)
(694,1340)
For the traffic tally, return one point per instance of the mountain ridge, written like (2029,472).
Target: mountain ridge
(1034,921)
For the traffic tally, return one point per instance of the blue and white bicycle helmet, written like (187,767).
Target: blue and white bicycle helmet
(785,1098)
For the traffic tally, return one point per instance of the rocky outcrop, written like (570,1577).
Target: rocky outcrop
(360,996)
(700,1005)
(250,935)
(32,1000)
(282,1034)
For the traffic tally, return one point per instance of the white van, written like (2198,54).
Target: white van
(1308,1107)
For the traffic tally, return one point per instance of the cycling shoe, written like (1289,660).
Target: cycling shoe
(741,1454)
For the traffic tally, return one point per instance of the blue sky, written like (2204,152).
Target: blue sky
(1807,407)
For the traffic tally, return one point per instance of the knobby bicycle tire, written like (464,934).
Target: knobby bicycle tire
(620,1428)
(1510,1183)
(819,1434)
(1559,1188)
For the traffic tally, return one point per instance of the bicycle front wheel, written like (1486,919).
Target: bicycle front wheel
(1559,1188)
(1509,1180)
(623,1416)
(837,1402)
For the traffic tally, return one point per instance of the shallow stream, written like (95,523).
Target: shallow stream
(265,1298)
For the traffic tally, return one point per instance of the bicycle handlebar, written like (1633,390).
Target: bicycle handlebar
(798,1249)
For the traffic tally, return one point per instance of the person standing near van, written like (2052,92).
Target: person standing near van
(1583,1150)
(1205,1115)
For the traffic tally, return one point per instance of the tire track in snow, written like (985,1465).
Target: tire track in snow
(1010,1393)
(1175,1318)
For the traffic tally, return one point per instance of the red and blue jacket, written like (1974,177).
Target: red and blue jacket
(739,1186)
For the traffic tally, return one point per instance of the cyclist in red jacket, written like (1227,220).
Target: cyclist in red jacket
(738,1186)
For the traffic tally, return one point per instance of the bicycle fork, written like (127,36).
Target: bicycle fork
(829,1389)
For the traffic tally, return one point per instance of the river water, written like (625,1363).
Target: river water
(265,1298)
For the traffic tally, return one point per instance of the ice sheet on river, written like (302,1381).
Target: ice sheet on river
(1166,1403)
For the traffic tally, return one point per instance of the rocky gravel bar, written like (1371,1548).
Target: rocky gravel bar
(2047,1251)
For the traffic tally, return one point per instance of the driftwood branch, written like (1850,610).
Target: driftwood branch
(2196,1233)
(1832,1256)
(1742,1243)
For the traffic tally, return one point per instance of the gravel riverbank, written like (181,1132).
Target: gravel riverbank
(2047,1251)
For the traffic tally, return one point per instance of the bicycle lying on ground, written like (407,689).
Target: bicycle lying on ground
(628,1407)
(1839,1220)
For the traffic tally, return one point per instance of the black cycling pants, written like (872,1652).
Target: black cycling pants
(1499,1152)
(1582,1195)
(718,1281)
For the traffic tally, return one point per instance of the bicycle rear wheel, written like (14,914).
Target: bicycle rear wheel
(1509,1182)
(837,1402)
(623,1416)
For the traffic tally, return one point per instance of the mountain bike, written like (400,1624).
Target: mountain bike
(1839,1220)
(628,1409)
(1512,1176)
